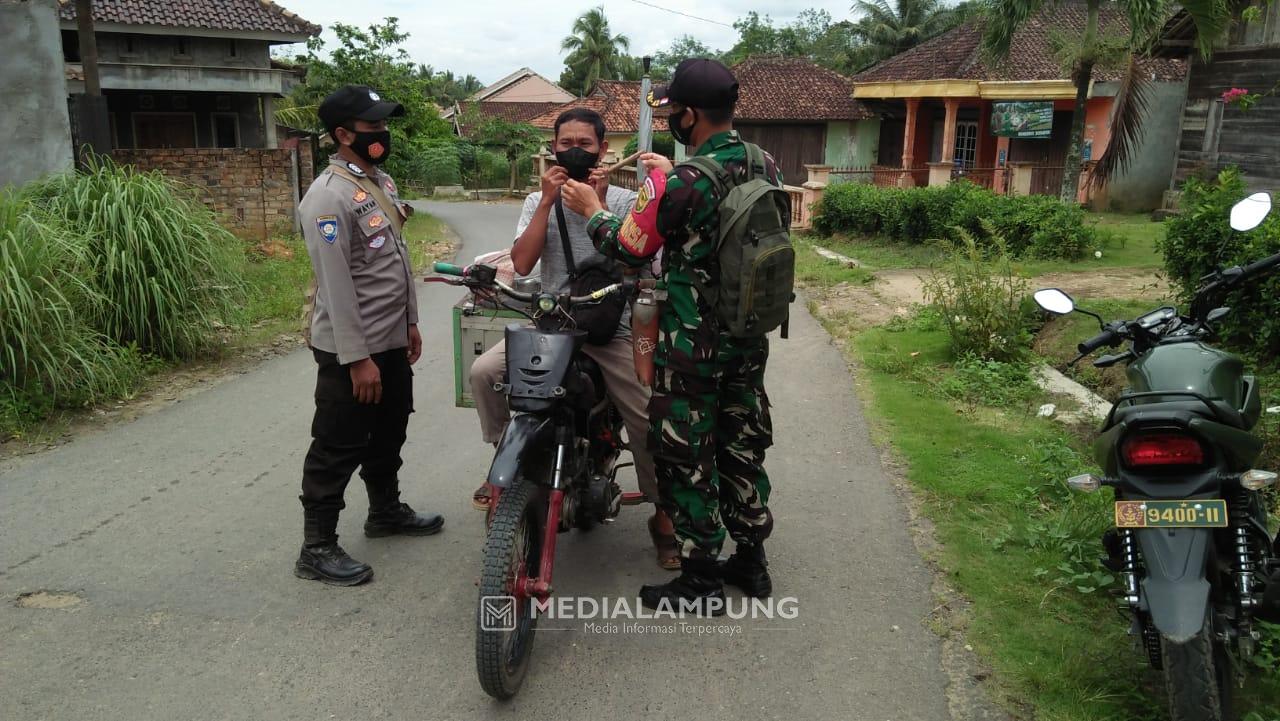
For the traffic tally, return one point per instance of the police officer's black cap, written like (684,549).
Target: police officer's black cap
(356,102)
(698,83)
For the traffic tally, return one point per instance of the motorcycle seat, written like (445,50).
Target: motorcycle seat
(1176,411)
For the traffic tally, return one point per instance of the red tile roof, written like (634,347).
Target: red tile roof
(510,112)
(618,101)
(957,54)
(793,90)
(251,15)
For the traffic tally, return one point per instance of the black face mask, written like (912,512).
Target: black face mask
(373,147)
(683,134)
(577,162)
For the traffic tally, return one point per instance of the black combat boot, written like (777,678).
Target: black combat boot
(322,559)
(748,570)
(697,584)
(400,519)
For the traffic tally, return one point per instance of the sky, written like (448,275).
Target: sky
(493,38)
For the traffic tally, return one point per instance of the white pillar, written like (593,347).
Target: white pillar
(269,119)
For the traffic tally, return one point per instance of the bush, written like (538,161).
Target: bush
(50,356)
(164,273)
(1034,226)
(663,144)
(1200,240)
(982,302)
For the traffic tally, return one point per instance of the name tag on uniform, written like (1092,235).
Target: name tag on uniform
(328,227)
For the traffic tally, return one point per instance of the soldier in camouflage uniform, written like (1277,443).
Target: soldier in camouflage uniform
(709,414)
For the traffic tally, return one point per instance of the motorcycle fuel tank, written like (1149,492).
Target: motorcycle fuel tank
(1190,367)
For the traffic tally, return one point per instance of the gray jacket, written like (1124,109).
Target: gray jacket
(365,296)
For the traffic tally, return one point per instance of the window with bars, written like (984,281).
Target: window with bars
(966,151)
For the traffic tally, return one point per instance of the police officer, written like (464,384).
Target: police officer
(364,334)
(709,414)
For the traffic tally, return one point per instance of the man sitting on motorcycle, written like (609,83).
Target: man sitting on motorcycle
(579,144)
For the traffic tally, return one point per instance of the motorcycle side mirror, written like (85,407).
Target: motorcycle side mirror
(1217,314)
(1250,212)
(1054,301)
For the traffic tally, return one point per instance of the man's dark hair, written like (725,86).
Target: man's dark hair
(582,115)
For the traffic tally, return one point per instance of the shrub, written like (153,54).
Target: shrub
(663,144)
(983,303)
(1201,240)
(48,355)
(167,274)
(1035,226)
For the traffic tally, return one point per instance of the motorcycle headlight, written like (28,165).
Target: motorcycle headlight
(546,304)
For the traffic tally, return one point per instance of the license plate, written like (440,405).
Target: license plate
(1171,514)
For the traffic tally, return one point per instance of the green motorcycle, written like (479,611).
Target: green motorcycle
(1191,545)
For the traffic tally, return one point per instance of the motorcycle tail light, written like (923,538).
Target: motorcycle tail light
(1162,449)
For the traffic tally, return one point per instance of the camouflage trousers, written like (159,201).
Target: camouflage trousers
(709,429)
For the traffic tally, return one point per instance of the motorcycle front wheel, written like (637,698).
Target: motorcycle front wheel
(505,622)
(1197,677)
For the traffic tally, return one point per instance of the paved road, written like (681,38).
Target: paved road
(178,532)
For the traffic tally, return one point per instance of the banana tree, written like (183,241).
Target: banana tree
(1081,52)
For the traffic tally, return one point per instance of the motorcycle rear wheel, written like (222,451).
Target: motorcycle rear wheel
(512,552)
(1198,677)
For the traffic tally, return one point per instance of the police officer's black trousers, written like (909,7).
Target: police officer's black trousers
(346,435)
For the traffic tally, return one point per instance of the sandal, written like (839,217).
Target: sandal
(481,498)
(667,546)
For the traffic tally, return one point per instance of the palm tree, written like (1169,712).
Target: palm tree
(887,30)
(592,47)
(1092,49)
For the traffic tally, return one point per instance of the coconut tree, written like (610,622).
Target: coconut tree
(887,30)
(1083,51)
(593,48)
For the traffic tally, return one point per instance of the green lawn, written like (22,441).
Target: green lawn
(1014,541)
(1129,243)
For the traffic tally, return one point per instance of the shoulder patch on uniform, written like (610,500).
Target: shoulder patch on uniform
(328,227)
(355,169)
(390,185)
(360,196)
(375,221)
(378,242)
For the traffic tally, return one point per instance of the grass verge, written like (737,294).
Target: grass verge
(1129,243)
(1014,541)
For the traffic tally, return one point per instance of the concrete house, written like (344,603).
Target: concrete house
(947,111)
(517,98)
(190,74)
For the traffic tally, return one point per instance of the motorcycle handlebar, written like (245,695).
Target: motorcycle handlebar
(449,269)
(1261,266)
(1107,337)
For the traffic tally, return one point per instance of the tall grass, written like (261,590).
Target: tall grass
(102,273)
(166,274)
(48,354)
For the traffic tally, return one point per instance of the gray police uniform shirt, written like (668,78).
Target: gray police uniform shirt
(555,271)
(365,297)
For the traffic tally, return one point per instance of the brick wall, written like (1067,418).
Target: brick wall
(251,189)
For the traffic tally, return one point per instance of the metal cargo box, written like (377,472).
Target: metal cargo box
(475,330)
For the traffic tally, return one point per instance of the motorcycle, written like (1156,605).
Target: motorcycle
(1191,546)
(555,467)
